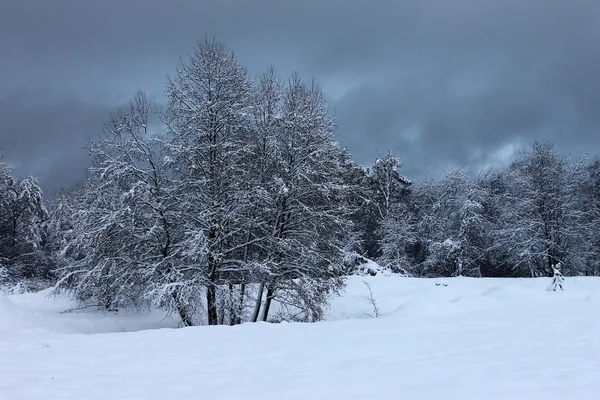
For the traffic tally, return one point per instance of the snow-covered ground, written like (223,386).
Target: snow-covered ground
(454,338)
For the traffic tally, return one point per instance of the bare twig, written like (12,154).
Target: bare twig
(70,310)
(372,300)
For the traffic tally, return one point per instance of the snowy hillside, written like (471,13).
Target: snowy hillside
(454,338)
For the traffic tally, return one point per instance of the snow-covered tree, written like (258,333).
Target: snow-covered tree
(451,224)
(543,222)
(246,189)
(388,183)
(382,188)
(208,115)
(267,118)
(591,206)
(309,222)
(22,218)
(399,237)
(494,260)
(127,247)
(67,211)
(519,222)
(4,276)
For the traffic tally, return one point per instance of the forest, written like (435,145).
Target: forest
(235,193)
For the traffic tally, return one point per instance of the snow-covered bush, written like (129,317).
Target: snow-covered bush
(371,268)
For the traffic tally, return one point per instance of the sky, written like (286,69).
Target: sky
(437,82)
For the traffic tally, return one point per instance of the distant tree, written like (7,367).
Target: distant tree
(591,205)
(440,230)
(495,261)
(67,210)
(389,185)
(357,202)
(457,217)
(22,219)
(4,276)
(383,189)
(543,222)
(399,238)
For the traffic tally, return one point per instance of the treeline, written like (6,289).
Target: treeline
(245,199)
(25,250)
(544,209)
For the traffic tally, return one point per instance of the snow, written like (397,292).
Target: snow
(471,339)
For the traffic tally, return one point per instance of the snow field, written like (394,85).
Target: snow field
(472,339)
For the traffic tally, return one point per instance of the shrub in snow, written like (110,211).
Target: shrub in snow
(557,280)
(17,288)
(353,262)
(372,301)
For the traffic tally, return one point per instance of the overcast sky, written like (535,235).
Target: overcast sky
(438,82)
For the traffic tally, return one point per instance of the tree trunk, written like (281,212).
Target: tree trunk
(240,309)
(211,303)
(259,297)
(550,265)
(185,318)
(221,311)
(270,292)
(233,308)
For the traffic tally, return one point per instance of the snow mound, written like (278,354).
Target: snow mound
(400,297)
(371,268)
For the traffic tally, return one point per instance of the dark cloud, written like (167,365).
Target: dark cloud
(438,82)
(44,136)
